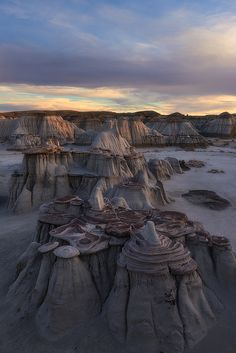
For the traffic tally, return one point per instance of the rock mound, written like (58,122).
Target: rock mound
(207,199)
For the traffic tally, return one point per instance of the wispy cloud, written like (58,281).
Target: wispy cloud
(98,54)
(18,97)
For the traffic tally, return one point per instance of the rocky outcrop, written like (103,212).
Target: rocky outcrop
(141,192)
(153,279)
(223,125)
(109,165)
(207,199)
(84,138)
(25,131)
(110,139)
(132,129)
(6,128)
(175,163)
(179,131)
(159,296)
(138,134)
(43,176)
(161,168)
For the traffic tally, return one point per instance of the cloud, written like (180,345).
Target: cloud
(182,74)
(118,57)
(100,92)
(26,97)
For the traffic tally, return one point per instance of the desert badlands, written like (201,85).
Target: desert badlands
(117,232)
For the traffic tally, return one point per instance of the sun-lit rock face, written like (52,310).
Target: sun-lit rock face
(179,131)
(138,134)
(26,130)
(141,274)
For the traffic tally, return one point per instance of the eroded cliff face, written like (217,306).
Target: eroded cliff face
(139,129)
(179,131)
(223,126)
(110,167)
(138,134)
(27,131)
(49,175)
(43,176)
(151,278)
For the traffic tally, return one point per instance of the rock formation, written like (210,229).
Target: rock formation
(194,163)
(103,255)
(6,128)
(207,199)
(179,131)
(110,167)
(110,139)
(223,125)
(130,125)
(158,302)
(34,130)
(161,168)
(151,277)
(138,134)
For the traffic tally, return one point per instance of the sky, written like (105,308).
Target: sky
(163,55)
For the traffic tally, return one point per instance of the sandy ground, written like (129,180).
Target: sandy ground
(216,222)
(16,231)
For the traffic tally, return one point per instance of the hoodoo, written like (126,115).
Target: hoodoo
(163,299)
(143,272)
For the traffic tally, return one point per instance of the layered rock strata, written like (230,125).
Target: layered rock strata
(179,131)
(108,165)
(33,130)
(154,277)
(223,126)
